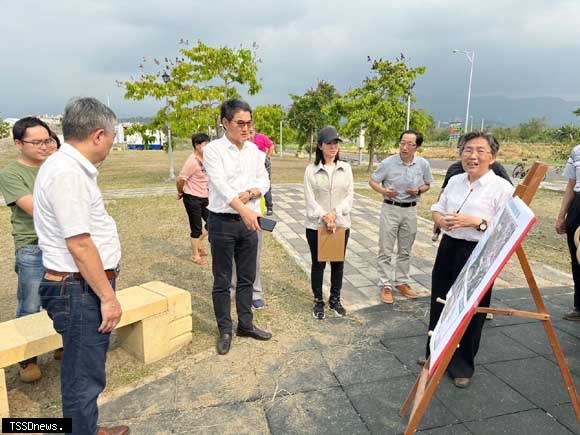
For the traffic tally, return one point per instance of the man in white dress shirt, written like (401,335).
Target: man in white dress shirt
(80,254)
(237,179)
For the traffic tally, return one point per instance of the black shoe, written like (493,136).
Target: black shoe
(224,343)
(255,333)
(318,310)
(336,306)
(269,212)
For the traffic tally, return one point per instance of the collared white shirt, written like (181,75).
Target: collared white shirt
(326,190)
(484,198)
(68,202)
(572,168)
(231,170)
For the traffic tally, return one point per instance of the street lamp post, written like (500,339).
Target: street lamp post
(281,143)
(471,57)
(166,79)
(411,86)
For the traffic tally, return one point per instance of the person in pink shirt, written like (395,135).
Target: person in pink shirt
(192,188)
(265,144)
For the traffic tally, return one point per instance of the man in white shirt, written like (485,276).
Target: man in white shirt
(80,253)
(237,179)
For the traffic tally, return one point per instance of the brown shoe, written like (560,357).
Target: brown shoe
(387,294)
(406,291)
(462,382)
(58,354)
(116,430)
(29,372)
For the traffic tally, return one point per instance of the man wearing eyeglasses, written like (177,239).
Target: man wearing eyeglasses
(401,179)
(237,178)
(34,142)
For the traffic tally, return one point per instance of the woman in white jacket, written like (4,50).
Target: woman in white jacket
(328,191)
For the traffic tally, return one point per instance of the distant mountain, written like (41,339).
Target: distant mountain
(501,110)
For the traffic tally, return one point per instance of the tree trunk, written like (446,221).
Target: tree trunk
(310,146)
(371,155)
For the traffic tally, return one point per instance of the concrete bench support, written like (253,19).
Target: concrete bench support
(156,323)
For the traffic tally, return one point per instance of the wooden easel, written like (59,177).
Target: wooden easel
(425,386)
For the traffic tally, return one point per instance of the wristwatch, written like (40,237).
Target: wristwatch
(482,226)
(251,194)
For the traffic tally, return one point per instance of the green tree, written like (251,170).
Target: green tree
(144,131)
(312,111)
(379,105)
(576,112)
(4,129)
(532,129)
(267,121)
(200,79)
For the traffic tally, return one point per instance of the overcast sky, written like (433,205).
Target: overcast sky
(53,50)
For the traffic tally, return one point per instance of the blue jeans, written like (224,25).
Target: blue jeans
(75,311)
(29,269)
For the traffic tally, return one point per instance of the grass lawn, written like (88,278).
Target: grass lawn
(155,242)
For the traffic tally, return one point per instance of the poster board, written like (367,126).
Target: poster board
(487,260)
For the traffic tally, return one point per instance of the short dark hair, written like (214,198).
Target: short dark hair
(418,136)
(489,138)
(197,138)
(55,137)
(232,106)
(20,126)
(319,156)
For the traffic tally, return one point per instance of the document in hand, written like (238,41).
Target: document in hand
(331,244)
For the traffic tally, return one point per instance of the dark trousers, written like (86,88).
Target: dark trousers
(231,241)
(572,222)
(451,257)
(196,209)
(75,311)
(268,194)
(317,269)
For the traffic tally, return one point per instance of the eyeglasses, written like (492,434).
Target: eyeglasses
(242,124)
(407,144)
(49,143)
(480,152)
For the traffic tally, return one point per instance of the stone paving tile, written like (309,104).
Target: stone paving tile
(486,397)
(230,419)
(496,346)
(346,362)
(293,373)
(407,350)
(456,429)
(533,336)
(143,401)
(565,415)
(379,402)
(317,412)
(532,422)
(538,379)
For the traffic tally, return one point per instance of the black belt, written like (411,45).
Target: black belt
(231,216)
(400,204)
(53,275)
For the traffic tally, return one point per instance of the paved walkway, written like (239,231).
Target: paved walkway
(351,375)
(360,287)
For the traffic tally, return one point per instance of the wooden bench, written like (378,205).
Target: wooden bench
(156,322)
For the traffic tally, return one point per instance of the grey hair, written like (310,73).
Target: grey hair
(84,115)
(489,138)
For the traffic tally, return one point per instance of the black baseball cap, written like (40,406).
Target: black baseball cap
(328,134)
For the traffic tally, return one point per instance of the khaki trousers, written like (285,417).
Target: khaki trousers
(397,224)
